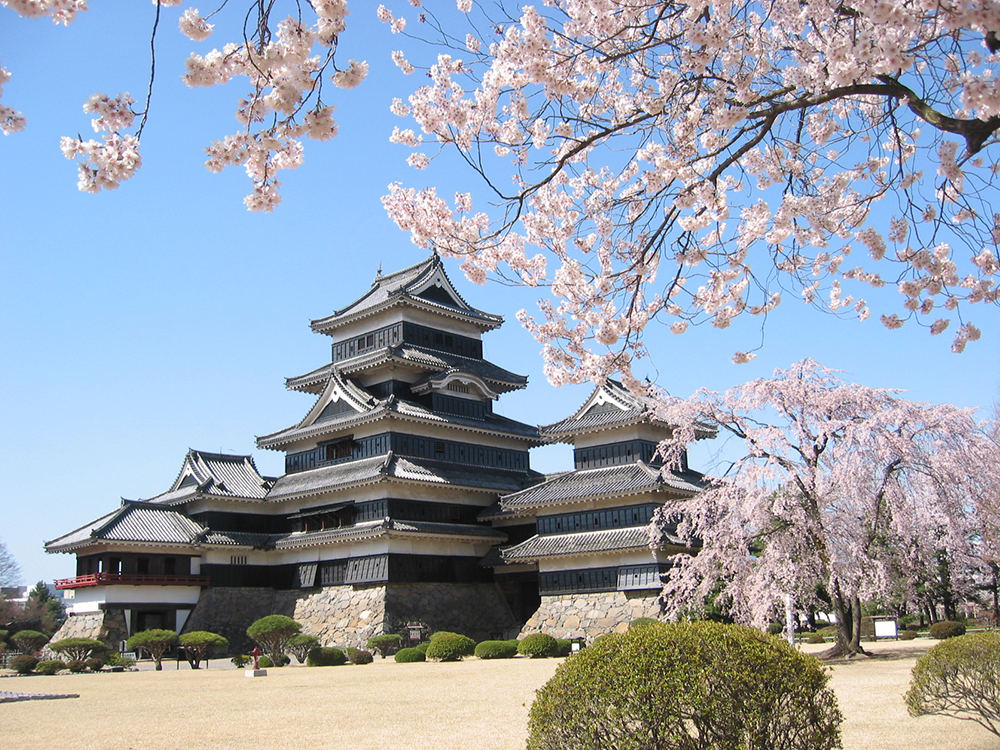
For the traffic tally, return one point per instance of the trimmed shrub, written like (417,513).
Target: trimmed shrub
(641,622)
(272,634)
(94,664)
(540,645)
(409,655)
(326,657)
(564,646)
(775,628)
(117,660)
(79,648)
(51,666)
(24,664)
(496,650)
(640,689)
(815,638)
(959,677)
(240,660)
(300,645)
(156,641)
(947,629)
(266,662)
(199,644)
(361,657)
(73,665)
(450,647)
(913,626)
(385,644)
(422,647)
(907,635)
(29,641)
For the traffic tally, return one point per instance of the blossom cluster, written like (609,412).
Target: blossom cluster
(285,66)
(686,162)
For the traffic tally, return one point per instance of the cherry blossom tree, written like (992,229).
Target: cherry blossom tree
(689,163)
(697,162)
(841,486)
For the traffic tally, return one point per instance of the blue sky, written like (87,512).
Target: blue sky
(163,316)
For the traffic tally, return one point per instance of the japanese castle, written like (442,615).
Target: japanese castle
(407,504)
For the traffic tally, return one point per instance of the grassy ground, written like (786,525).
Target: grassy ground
(478,705)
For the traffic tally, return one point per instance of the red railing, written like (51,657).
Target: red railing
(131,579)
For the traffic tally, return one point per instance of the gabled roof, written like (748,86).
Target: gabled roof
(584,543)
(607,481)
(392,467)
(609,406)
(397,408)
(134,521)
(432,361)
(217,474)
(425,286)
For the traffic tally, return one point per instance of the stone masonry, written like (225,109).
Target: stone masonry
(107,626)
(590,615)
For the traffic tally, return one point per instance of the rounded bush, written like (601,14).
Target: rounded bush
(915,627)
(73,665)
(422,647)
(450,647)
(564,646)
(94,664)
(947,629)
(362,657)
(409,655)
(775,628)
(496,650)
(117,660)
(815,638)
(24,664)
(644,688)
(959,677)
(641,622)
(326,657)
(539,645)
(51,666)
(907,635)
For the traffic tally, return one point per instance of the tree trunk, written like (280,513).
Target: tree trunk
(847,608)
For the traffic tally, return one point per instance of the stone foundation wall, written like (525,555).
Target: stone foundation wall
(477,610)
(342,615)
(107,626)
(229,611)
(590,615)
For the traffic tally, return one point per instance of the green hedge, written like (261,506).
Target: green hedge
(538,645)
(496,650)
(644,688)
(959,677)
(326,657)
(51,666)
(947,629)
(450,647)
(362,657)
(409,655)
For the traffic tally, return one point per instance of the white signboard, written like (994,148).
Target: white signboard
(885,629)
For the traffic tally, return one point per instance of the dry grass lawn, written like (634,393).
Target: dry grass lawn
(472,705)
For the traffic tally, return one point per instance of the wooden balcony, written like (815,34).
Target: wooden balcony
(129,579)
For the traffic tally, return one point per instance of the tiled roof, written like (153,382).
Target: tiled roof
(218,474)
(608,406)
(388,527)
(391,466)
(583,543)
(315,481)
(408,286)
(434,360)
(133,522)
(584,484)
(493,423)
